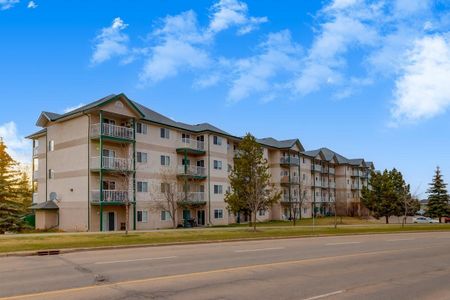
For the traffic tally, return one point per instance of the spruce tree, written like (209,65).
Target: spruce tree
(12,195)
(438,198)
(251,189)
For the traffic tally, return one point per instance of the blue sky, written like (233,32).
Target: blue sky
(366,78)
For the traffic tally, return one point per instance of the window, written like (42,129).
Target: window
(165,133)
(165,187)
(218,214)
(165,160)
(109,185)
(142,187)
(141,157)
(165,215)
(185,138)
(141,128)
(51,174)
(217,189)
(262,212)
(218,164)
(51,145)
(142,216)
(217,140)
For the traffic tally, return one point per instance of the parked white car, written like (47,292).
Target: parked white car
(424,220)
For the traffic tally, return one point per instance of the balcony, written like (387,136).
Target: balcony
(116,197)
(355,173)
(192,172)
(111,164)
(325,184)
(192,198)
(35,151)
(355,186)
(332,171)
(293,180)
(289,160)
(332,185)
(191,146)
(112,132)
(317,184)
(316,168)
(286,199)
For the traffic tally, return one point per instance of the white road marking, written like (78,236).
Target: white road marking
(399,240)
(132,260)
(257,250)
(343,243)
(325,295)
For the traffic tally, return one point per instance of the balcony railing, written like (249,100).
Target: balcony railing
(293,180)
(355,186)
(191,144)
(35,151)
(332,185)
(317,184)
(35,198)
(355,173)
(114,131)
(332,171)
(191,170)
(192,196)
(317,168)
(289,160)
(111,196)
(325,184)
(112,163)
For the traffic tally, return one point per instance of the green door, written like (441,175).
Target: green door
(186,217)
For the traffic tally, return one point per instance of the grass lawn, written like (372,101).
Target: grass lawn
(14,243)
(318,221)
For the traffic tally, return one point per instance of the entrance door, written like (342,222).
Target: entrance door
(201,217)
(186,217)
(111,221)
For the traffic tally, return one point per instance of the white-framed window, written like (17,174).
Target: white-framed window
(261,212)
(218,189)
(109,185)
(142,216)
(51,145)
(141,128)
(218,213)
(165,133)
(165,215)
(217,140)
(165,160)
(141,157)
(51,174)
(218,164)
(142,187)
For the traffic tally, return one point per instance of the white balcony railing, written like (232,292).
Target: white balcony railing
(355,186)
(35,151)
(317,184)
(325,184)
(112,163)
(110,130)
(192,196)
(332,171)
(111,196)
(332,185)
(289,160)
(191,170)
(191,144)
(293,179)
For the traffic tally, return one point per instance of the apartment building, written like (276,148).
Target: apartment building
(97,165)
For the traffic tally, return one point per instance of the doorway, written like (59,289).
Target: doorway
(201,217)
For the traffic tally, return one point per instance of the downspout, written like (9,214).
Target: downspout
(89,170)
(46,166)
(134,174)
(209,179)
(101,170)
(289,185)
(300,194)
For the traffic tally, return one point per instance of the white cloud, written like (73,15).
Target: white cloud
(228,13)
(32,5)
(18,147)
(110,42)
(422,91)
(7,4)
(277,56)
(68,109)
(179,46)
(347,26)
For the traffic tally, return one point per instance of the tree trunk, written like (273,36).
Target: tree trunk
(387,219)
(127,217)
(254,221)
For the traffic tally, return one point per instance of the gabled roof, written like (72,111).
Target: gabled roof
(330,155)
(37,134)
(47,205)
(284,144)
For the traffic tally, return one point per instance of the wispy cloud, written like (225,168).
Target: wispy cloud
(70,108)
(32,5)
(110,42)
(422,90)
(18,147)
(7,4)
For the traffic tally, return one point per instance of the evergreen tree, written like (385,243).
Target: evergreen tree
(251,189)
(438,198)
(12,193)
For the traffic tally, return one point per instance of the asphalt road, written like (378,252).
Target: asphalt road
(393,266)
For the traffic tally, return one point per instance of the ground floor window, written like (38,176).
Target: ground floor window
(142,216)
(218,214)
(262,212)
(165,215)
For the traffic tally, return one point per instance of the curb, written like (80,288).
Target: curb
(46,252)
